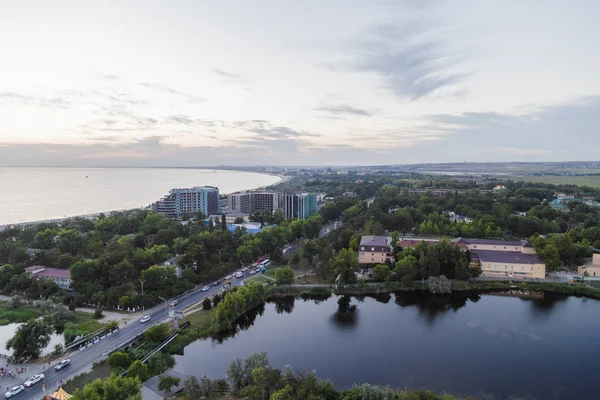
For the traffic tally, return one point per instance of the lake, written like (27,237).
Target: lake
(34,194)
(489,346)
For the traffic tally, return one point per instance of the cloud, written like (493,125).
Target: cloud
(230,76)
(525,151)
(413,60)
(189,97)
(34,100)
(343,110)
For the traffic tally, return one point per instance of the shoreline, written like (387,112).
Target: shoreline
(95,214)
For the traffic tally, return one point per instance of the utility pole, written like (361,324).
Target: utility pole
(165,300)
(143,307)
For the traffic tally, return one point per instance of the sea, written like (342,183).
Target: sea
(39,194)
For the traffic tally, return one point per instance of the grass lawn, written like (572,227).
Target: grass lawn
(9,315)
(258,278)
(85,322)
(199,319)
(592,181)
(79,381)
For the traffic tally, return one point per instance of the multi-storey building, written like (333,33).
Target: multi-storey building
(189,201)
(373,250)
(301,206)
(250,202)
(62,277)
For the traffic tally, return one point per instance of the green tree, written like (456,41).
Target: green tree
(166,383)
(284,276)
(29,340)
(345,264)
(310,249)
(283,394)
(157,333)
(206,304)
(138,370)
(114,387)
(382,272)
(119,359)
(206,387)
(439,285)
(462,270)
(191,388)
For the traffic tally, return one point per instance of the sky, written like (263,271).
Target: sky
(275,82)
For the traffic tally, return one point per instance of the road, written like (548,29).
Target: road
(82,360)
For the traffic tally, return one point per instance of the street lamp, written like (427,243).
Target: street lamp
(165,300)
(143,307)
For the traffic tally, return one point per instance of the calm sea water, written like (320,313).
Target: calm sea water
(33,194)
(487,346)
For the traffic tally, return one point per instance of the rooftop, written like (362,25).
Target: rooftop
(509,257)
(374,241)
(39,270)
(524,243)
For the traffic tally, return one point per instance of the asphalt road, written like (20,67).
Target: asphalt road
(82,360)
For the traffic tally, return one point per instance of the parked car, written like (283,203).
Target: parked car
(33,380)
(12,392)
(228,277)
(205,288)
(62,365)
(145,319)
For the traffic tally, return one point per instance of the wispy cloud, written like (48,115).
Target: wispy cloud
(230,77)
(189,97)
(524,152)
(412,59)
(343,110)
(34,100)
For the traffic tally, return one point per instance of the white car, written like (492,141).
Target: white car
(62,365)
(15,390)
(145,319)
(228,277)
(239,275)
(33,380)
(244,269)
(252,272)
(205,288)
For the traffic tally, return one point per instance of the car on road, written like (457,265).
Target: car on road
(145,319)
(228,277)
(216,283)
(13,391)
(205,288)
(174,303)
(252,272)
(33,380)
(62,365)
(240,274)
(244,269)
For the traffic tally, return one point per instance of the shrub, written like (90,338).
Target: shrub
(98,313)
(439,285)
(206,304)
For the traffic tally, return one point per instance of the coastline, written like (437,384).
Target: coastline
(91,215)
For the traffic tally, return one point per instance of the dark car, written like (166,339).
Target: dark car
(63,364)
(216,283)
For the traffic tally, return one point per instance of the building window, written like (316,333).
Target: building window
(372,248)
(362,248)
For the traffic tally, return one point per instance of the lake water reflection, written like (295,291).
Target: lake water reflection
(489,346)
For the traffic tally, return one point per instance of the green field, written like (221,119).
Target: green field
(592,181)
(199,319)
(85,322)
(8,315)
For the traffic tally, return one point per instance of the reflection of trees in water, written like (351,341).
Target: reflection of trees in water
(285,305)
(432,307)
(241,324)
(543,306)
(381,297)
(346,315)
(316,298)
